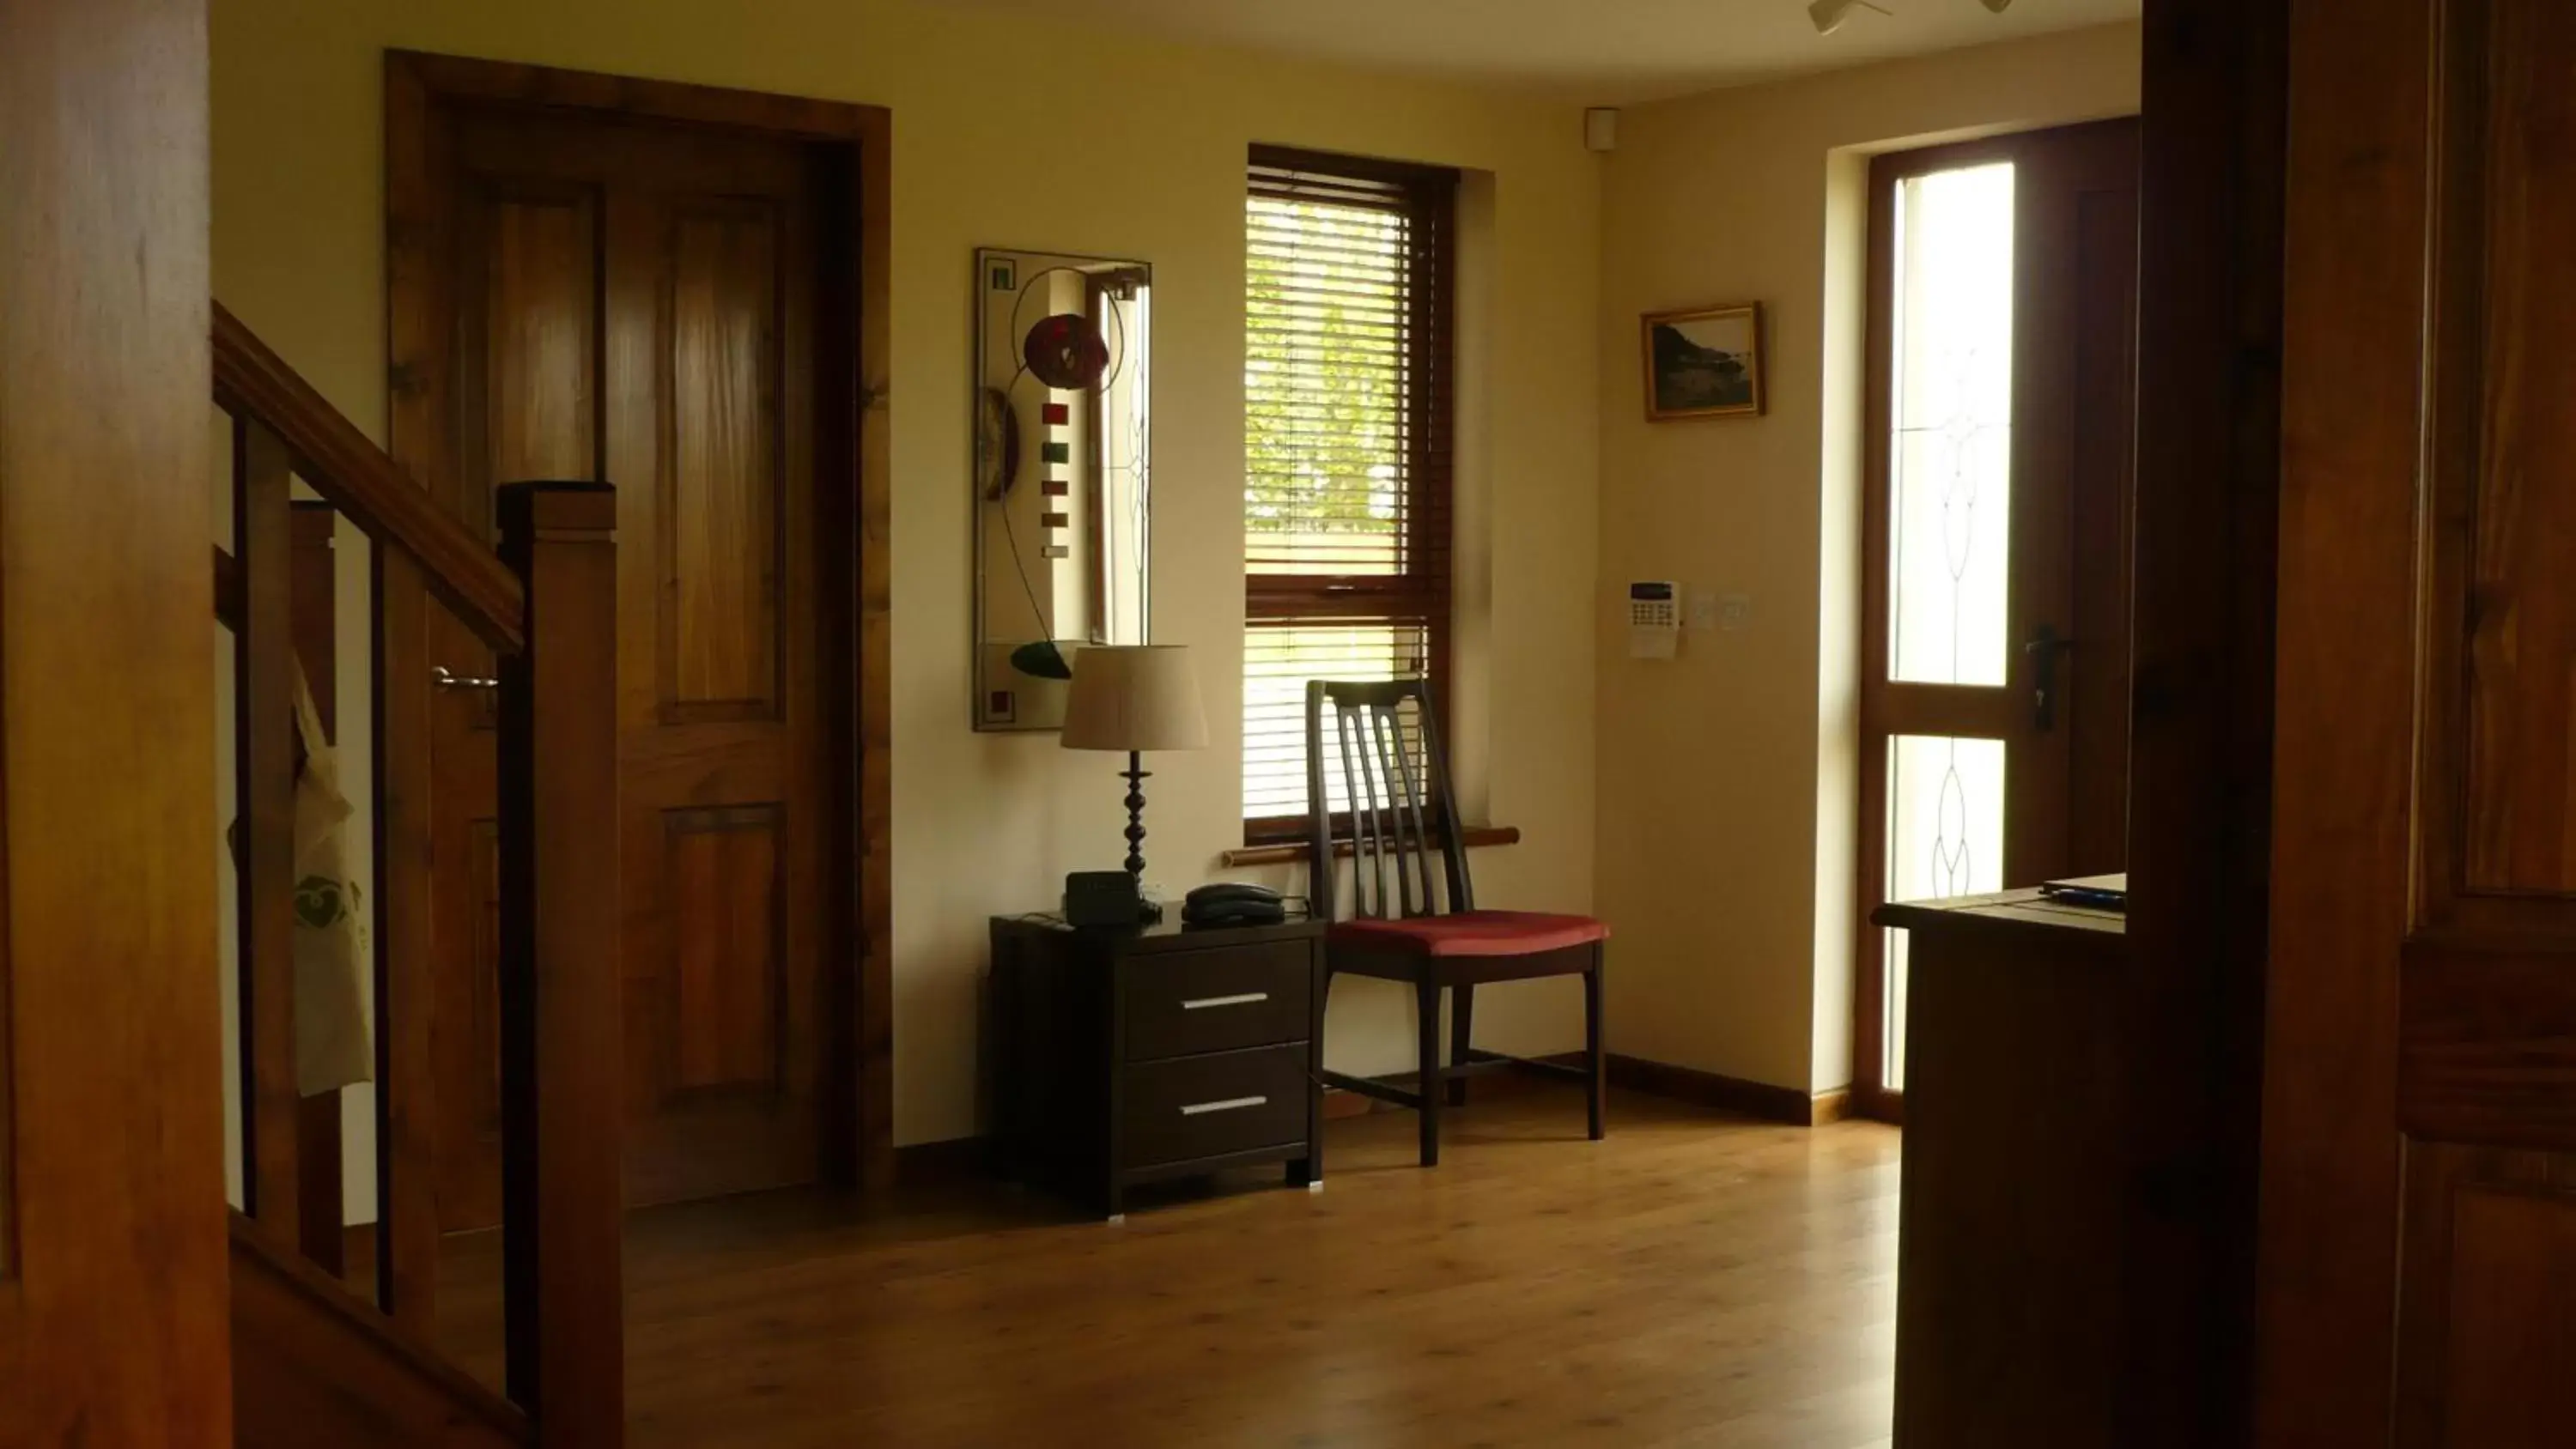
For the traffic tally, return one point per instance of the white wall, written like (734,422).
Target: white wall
(1726,783)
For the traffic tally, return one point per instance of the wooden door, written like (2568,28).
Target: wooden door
(636,303)
(2001,455)
(2417,1266)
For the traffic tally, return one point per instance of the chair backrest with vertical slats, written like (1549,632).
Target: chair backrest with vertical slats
(1375,776)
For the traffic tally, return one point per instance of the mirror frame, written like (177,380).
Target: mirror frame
(980,577)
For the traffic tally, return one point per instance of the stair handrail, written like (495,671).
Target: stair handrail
(346,467)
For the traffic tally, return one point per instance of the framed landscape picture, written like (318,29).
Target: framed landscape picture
(1705,362)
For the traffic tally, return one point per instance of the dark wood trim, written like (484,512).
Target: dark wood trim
(313,603)
(267,1280)
(405,958)
(342,465)
(316,601)
(563,1081)
(264,826)
(939,1164)
(319,1194)
(1294,849)
(1889,708)
(1427,197)
(498,82)
(418,384)
(1786,1105)
(2356,362)
(2204,556)
(1677,1084)
(1869,877)
(1875,1104)
(868,1061)
(1329,164)
(853,456)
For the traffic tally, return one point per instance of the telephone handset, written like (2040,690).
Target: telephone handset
(1231,903)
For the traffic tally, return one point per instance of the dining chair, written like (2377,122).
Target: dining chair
(1410,925)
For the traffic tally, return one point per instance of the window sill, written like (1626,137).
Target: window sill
(1292,852)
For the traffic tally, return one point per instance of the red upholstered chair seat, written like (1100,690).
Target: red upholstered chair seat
(1472,933)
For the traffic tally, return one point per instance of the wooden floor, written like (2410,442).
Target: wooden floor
(1694,1280)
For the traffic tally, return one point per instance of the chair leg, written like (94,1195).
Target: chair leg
(1426,997)
(1595,1060)
(1462,1019)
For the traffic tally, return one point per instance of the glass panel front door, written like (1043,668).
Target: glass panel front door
(2000,445)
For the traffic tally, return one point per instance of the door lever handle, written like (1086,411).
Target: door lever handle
(439,675)
(2044,649)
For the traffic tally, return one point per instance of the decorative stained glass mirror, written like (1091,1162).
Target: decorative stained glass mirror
(1063,470)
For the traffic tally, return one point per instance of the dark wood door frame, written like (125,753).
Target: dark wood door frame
(852,477)
(2067,598)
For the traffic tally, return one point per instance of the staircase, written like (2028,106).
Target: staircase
(316,1362)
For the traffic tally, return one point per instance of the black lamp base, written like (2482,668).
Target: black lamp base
(1137,775)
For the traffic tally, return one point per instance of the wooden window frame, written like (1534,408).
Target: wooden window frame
(1424,591)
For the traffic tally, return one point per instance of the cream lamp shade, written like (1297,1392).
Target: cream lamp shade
(1134,698)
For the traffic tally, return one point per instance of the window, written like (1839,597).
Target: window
(1346,489)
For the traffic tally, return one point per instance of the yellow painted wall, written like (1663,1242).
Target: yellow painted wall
(1725,791)
(1151,140)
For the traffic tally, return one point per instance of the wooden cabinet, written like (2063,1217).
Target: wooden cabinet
(2009,1276)
(1122,1057)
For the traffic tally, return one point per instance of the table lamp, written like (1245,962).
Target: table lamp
(1135,698)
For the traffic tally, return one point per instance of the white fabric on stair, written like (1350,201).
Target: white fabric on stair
(334,1045)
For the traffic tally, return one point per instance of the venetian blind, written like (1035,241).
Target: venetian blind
(1346,441)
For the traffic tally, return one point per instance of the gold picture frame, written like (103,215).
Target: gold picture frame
(1703,362)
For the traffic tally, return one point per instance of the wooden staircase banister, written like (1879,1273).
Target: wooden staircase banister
(319,1366)
(346,467)
(318,1363)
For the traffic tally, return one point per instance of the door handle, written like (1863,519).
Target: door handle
(439,675)
(2044,649)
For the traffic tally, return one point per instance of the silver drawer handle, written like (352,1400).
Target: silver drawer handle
(1249,998)
(1230,1104)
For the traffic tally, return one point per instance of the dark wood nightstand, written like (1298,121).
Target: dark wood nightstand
(1128,1056)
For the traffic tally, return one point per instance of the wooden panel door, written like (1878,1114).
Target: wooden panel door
(2418,1248)
(2002,430)
(635,304)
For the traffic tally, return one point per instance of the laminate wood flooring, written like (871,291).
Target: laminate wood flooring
(1694,1280)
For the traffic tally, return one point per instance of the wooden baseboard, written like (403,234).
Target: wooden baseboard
(955,1160)
(1831,1107)
(964,1157)
(1762,1100)
(1339,1104)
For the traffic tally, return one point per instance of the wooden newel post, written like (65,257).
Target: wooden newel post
(562,1032)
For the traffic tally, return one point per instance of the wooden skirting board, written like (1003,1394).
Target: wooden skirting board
(959,1157)
(1729,1094)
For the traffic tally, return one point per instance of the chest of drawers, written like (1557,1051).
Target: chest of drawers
(1122,1057)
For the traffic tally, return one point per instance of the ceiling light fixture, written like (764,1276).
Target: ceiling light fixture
(1829,15)
(1998,6)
